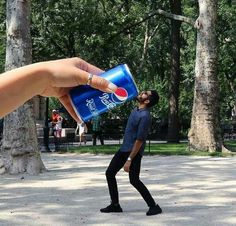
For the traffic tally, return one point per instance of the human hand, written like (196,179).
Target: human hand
(67,73)
(127,166)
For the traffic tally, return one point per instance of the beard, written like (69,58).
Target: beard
(140,99)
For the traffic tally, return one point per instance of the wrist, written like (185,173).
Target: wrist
(43,75)
(129,159)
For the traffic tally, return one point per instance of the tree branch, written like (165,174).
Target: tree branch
(55,43)
(157,12)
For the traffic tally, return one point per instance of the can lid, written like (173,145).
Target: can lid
(130,75)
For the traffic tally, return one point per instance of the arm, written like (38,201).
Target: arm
(51,78)
(133,153)
(142,133)
(19,85)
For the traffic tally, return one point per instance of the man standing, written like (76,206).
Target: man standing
(130,154)
(97,129)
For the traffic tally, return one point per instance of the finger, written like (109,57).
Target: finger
(65,100)
(85,66)
(102,84)
(97,82)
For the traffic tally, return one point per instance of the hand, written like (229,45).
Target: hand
(67,73)
(50,78)
(127,166)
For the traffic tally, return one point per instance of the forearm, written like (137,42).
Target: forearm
(133,153)
(19,85)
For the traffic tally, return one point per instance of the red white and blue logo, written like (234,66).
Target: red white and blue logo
(120,95)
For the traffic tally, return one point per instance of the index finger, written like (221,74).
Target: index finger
(102,84)
(85,66)
(96,82)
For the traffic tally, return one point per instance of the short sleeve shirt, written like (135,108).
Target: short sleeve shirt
(137,128)
(96,122)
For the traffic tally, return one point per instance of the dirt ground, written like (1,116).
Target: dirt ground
(190,190)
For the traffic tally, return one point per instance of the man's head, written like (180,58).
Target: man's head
(149,98)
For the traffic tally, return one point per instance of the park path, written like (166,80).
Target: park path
(191,190)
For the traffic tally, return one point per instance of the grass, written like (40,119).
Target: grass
(231,145)
(156,149)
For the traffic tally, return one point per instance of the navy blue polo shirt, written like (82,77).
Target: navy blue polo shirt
(137,128)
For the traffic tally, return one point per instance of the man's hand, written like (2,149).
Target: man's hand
(127,166)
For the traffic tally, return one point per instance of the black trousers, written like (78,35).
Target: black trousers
(99,135)
(116,164)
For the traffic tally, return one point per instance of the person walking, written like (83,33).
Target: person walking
(97,129)
(82,128)
(130,154)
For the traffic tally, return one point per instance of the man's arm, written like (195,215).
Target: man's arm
(142,133)
(133,153)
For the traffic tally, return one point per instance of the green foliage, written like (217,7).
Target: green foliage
(227,56)
(99,32)
(54,103)
(106,33)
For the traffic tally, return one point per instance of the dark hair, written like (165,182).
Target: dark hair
(153,99)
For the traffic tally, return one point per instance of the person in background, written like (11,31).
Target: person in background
(49,79)
(97,129)
(54,120)
(82,128)
(130,154)
(58,126)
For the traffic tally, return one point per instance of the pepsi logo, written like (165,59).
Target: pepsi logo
(120,95)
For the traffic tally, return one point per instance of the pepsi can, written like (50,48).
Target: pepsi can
(89,102)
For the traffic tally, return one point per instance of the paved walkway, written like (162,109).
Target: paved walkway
(191,190)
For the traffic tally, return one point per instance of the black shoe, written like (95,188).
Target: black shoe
(112,208)
(153,210)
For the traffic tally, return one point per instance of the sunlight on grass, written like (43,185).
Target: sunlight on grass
(156,149)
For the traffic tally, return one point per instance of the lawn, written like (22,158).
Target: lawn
(156,149)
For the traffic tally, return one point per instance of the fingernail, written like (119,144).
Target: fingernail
(112,87)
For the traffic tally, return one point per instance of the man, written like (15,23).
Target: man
(97,129)
(130,154)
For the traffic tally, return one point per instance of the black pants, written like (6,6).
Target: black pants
(116,164)
(99,135)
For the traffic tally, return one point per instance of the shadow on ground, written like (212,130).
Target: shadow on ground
(191,191)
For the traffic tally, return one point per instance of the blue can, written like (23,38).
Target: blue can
(89,102)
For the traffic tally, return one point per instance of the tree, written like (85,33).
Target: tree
(20,147)
(173,118)
(205,132)
(2,34)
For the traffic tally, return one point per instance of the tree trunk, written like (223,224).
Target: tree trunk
(20,147)
(205,131)
(147,39)
(173,118)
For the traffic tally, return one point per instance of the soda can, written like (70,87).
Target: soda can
(89,102)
